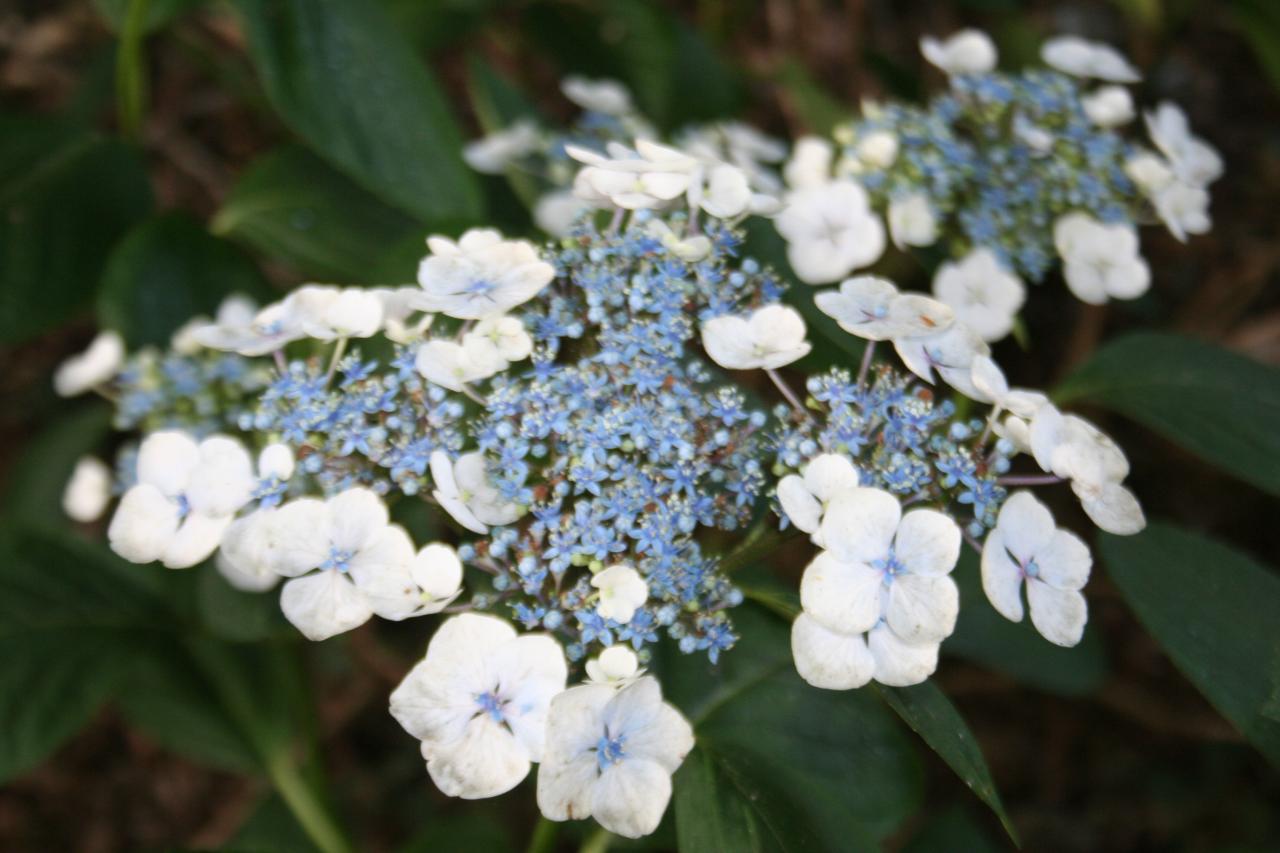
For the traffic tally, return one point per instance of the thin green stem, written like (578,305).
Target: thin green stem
(597,842)
(131,78)
(544,836)
(301,799)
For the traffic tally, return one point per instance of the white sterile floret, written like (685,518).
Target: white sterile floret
(769,338)
(245,555)
(555,212)
(1027,545)
(616,666)
(185,498)
(91,368)
(398,306)
(690,249)
(478,703)
(355,312)
(872,308)
(600,96)
(805,496)
(1195,162)
(877,149)
(993,388)
(1149,171)
(1083,58)
(318,311)
(235,311)
(1100,261)
(966,52)
(650,176)
(463,490)
(911,221)
(88,491)
(623,591)
(1183,209)
(950,352)
(492,154)
(1076,450)
(480,274)
(1108,106)
(610,755)
(983,294)
(507,334)
(830,231)
(275,462)
(810,163)
(879,601)
(725,192)
(452,365)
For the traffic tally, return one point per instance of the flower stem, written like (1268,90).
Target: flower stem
(597,842)
(867,353)
(1030,480)
(306,807)
(544,836)
(338,350)
(786,391)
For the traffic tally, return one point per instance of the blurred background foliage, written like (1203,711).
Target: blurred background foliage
(156,155)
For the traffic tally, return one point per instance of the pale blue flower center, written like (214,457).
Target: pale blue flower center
(1031,569)
(481,287)
(340,560)
(492,705)
(609,751)
(184,506)
(889,566)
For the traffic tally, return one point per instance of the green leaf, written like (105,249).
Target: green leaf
(1219,405)
(985,637)
(291,205)
(818,109)
(131,70)
(35,483)
(780,765)
(346,80)
(953,829)
(234,614)
(166,271)
(66,196)
(930,714)
(158,12)
(717,95)
(1213,610)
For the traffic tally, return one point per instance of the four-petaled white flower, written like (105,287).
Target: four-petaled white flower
(492,154)
(610,755)
(463,490)
(1026,545)
(872,308)
(318,311)
(235,311)
(911,221)
(99,363)
(810,163)
(622,592)
(1076,450)
(479,275)
(650,176)
(1193,161)
(454,365)
(1108,106)
(724,191)
(616,666)
(966,52)
(478,703)
(830,231)
(983,294)
(1083,58)
(950,352)
(805,496)
(1100,261)
(507,334)
(770,338)
(879,601)
(88,491)
(185,498)
(599,96)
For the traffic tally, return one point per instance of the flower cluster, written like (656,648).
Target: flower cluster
(1010,173)
(588,417)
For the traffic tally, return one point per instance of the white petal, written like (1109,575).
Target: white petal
(300,532)
(801,507)
(143,524)
(1065,561)
(88,491)
(859,524)
(829,474)
(927,542)
(727,341)
(223,481)
(922,609)
(829,660)
(380,570)
(486,762)
(1026,525)
(630,797)
(437,570)
(356,517)
(566,786)
(529,671)
(324,604)
(1058,614)
(1001,578)
(897,663)
(1114,509)
(166,460)
(195,540)
(843,597)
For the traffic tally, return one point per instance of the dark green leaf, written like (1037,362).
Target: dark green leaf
(930,714)
(1217,404)
(954,829)
(234,614)
(66,196)
(1214,610)
(716,95)
(817,108)
(166,271)
(780,765)
(1014,648)
(345,79)
(35,483)
(291,205)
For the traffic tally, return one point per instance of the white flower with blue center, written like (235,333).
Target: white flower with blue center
(1026,546)
(948,353)
(623,591)
(872,308)
(879,601)
(769,338)
(507,334)
(478,703)
(830,231)
(610,755)
(651,176)
(88,491)
(98,364)
(464,491)
(984,295)
(805,496)
(455,365)
(185,498)
(966,52)
(1083,58)
(479,275)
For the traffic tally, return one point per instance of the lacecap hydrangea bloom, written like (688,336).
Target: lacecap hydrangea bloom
(586,418)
